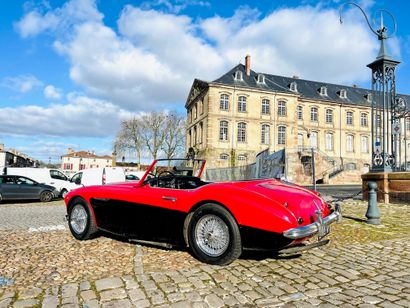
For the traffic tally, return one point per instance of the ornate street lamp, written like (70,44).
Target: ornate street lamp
(387,110)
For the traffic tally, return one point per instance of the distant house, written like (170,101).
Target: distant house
(73,162)
(13,158)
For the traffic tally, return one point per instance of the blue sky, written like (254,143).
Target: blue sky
(70,71)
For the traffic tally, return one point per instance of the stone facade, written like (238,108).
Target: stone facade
(333,119)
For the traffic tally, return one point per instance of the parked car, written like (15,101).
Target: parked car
(98,176)
(52,177)
(134,175)
(13,187)
(216,220)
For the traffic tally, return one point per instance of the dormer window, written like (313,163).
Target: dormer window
(343,93)
(369,97)
(238,75)
(323,90)
(294,86)
(261,78)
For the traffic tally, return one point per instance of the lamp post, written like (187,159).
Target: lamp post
(385,108)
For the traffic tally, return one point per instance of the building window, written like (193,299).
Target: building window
(282,135)
(195,136)
(261,78)
(343,93)
(349,118)
(265,132)
(369,97)
(241,132)
(299,112)
(294,87)
(379,121)
(223,130)
(190,138)
(408,124)
(242,104)
(238,75)
(282,109)
(201,107)
(201,128)
(82,166)
(313,140)
(242,157)
(363,120)
(365,144)
(224,156)
(349,143)
(265,106)
(300,140)
(224,102)
(323,90)
(329,116)
(329,141)
(195,111)
(313,114)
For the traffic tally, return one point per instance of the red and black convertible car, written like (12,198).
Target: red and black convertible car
(173,206)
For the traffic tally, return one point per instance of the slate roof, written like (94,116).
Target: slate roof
(307,89)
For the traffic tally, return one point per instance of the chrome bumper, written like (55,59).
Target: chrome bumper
(319,227)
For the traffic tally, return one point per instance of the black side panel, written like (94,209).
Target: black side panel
(261,239)
(139,221)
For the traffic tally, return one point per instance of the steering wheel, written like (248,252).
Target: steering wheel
(173,178)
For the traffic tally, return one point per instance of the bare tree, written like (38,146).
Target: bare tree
(154,131)
(174,142)
(130,137)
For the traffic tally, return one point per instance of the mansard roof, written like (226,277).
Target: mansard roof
(307,89)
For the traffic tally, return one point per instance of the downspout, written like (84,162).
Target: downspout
(340,135)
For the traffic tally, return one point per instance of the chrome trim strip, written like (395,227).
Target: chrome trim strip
(320,226)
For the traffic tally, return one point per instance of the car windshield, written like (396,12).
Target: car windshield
(186,167)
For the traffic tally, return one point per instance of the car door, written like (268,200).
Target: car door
(8,187)
(27,188)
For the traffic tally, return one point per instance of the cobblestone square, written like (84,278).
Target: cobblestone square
(41,265)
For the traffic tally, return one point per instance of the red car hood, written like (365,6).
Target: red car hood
(301,202)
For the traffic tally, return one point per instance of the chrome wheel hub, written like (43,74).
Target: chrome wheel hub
(212,235)
(78,218)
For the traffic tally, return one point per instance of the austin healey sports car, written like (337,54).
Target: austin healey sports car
(171,206)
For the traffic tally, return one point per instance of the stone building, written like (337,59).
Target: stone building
(243,112)
(72,162)
(14,158)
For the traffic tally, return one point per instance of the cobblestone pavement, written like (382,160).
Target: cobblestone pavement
(364,266)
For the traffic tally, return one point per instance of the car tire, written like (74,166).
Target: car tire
(80,221)
(46,196)
(214,236)
(63,193)
(1,197)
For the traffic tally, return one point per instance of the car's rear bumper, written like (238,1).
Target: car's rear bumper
(320,227)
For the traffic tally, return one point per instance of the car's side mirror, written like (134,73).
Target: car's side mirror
(77,181)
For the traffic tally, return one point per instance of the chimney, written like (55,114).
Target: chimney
(70,150)
(248,65)
(295,76)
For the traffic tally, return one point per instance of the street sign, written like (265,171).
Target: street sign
(377,148)
(396,128)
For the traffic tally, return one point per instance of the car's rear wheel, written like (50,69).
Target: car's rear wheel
(81,223)
(214,236)
(64,193)
(46,196)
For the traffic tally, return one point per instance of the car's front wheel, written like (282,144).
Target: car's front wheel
(46,196)
(214,236)
(81,224)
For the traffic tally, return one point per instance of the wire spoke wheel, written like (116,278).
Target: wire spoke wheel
(212,235)
(78,218)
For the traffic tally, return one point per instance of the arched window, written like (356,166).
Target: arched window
(224,156)
(363,120)
(242,104)
(329,116)
(241,157)
(365,144)
(313,140)
(223,130)
(265,106)
(241,132)
(294,86)
(313,114)
(224,102)
(323,90)
(343,93)
(261,78)
(282,109)
(349,118)
(329,141)
(265,133)
(299,112)
(238,75)
(349,143)
(282,135)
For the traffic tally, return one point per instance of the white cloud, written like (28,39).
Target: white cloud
(53,93)
(81,116)
(175,6)
(153,57)
(22,83)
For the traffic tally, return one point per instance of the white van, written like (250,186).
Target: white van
(51,177)
(98,176)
